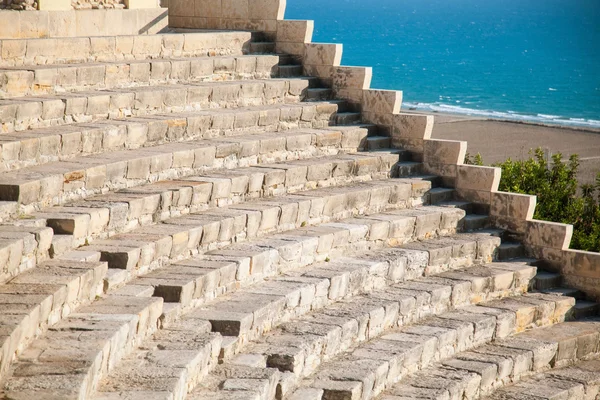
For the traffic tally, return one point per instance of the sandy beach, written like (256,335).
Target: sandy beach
(498,140)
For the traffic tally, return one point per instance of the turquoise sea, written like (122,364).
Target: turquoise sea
(529,60)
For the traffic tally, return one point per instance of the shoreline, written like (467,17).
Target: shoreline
(466,116)
(497,140)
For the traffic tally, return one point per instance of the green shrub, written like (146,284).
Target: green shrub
(555,185)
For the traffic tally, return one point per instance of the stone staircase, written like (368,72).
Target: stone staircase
(185,215)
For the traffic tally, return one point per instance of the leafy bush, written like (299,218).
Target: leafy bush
(555,186)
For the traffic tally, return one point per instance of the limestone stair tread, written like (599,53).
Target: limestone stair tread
(171,239)
(297,291)
(44,145)
(367,369)
(101,352)
(54,78)
(21,248)
(83,347)
(70,50)
(215,188)
(579,381)
(54,181)
(511,368)
(58,109)
(300,346)
(35,300)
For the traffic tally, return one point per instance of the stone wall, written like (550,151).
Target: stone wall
(78,23)
(97,4)
(18,4)
(31,5)
(258,15)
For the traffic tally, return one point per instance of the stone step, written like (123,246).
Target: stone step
(490,369)
(511,250)
(547,280)
(193,282)
(75,354)
(148,247)
(464,205)
(175,359)
(379,142)
(8,209)
(585,309)
(446,254)
(58,19)
(474,222)
(285,71)
(71,50)
(285,296)
(371,367)
(56,183)
(348,118)
(22,248)
(444,196)
(21,113)
(319,94)
(43,145)
(298,348)
(565,291)
(579,381)
(405,168)
(36,300)
(28,80)
(121,211)
(261,47)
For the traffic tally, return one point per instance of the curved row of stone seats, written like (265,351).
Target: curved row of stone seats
(35,300)
(34,111)
(30,80)
(44,145)
(70,50)
(105,215)
(115,334)
(183,237)
(148,247)
(74,353)
(22,248)
(497,369)
(299,348)
(58,182)
(368,369)
(266,304)
(580,381)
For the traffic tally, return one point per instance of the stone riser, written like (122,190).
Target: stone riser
(60,182)
(220,274)
(36,112)
(490,369)
(22,248)
(38,299)
(113,327)
(146,248)
(16,52)
(355,325)
(102,355)
(194,291)
(178,358)
(382,362)
(41,146)
(122,211)
(40,80)
(55,18)
(579,382)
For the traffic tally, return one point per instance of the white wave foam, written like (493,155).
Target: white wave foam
(509,115)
